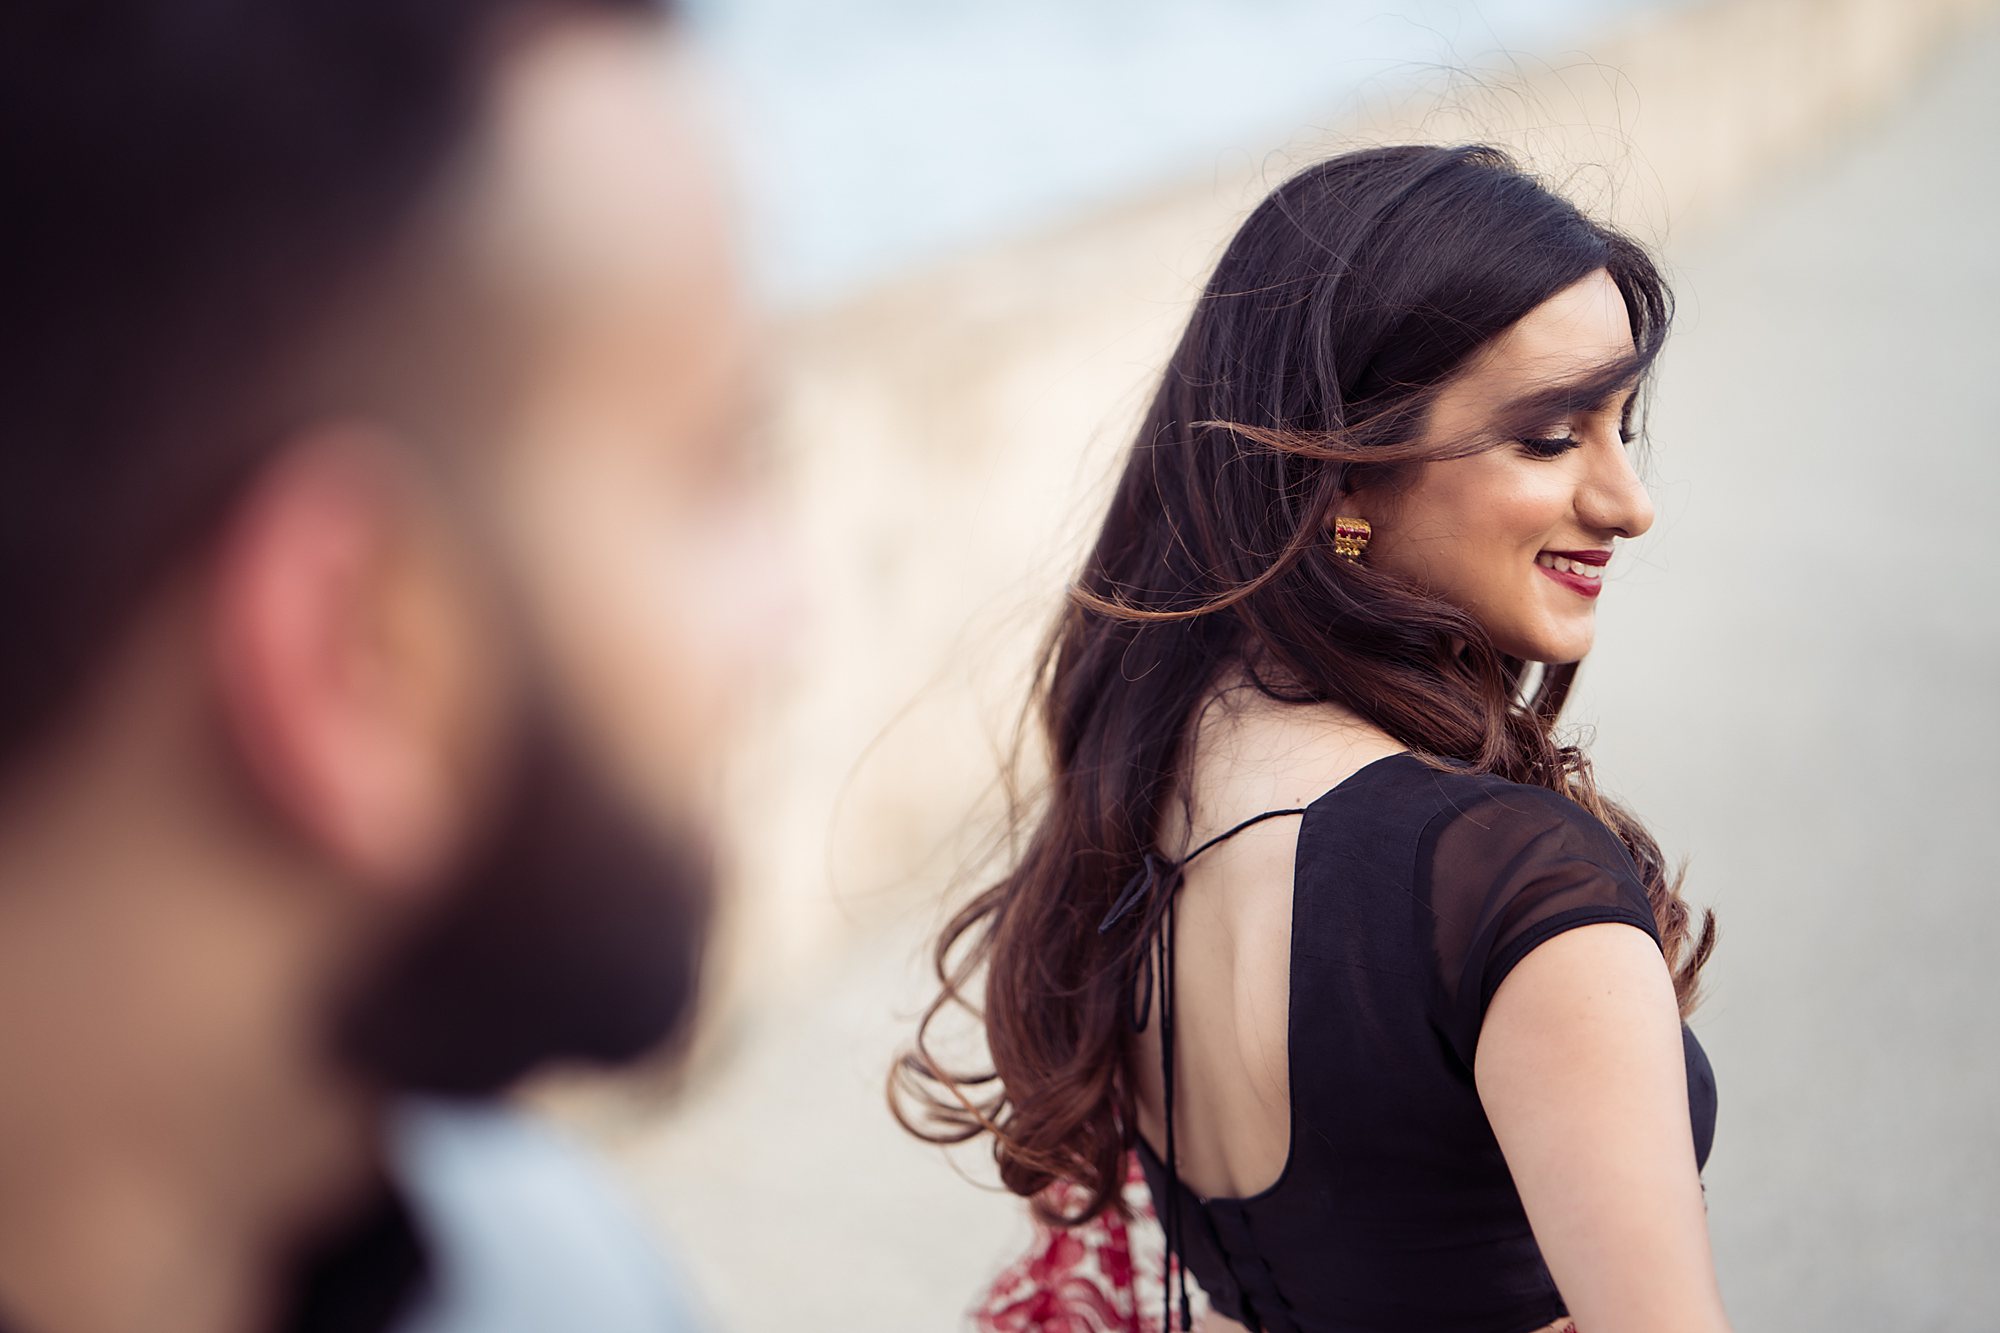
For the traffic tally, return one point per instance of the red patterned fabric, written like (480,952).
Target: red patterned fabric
(1107,1276)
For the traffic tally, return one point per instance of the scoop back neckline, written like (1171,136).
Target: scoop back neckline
(1291,1127)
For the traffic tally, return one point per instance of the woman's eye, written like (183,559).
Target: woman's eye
(1548,446)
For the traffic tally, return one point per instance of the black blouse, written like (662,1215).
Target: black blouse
(1414,893)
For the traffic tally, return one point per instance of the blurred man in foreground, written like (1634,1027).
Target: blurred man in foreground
(379,568)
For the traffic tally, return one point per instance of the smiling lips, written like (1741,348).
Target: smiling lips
(1582,572)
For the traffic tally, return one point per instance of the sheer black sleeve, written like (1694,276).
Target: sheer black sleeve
(1500,873)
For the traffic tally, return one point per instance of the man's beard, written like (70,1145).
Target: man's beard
(574,931)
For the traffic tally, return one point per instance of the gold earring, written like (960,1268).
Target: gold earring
(1350,536)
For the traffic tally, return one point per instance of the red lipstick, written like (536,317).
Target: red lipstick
(1577,583)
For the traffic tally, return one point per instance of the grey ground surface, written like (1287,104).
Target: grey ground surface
(1794,684)
(1797,686)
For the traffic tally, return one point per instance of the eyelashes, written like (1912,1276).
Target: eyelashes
(1555,446)
(1548,446)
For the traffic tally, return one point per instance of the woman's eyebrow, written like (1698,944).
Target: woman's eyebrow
(1592,391)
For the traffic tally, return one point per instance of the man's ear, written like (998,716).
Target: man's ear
(341,658)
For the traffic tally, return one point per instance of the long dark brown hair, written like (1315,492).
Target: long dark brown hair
(1345,301)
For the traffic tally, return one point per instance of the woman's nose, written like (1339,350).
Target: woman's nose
(1613,498)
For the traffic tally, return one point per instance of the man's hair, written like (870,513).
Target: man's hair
(191,187)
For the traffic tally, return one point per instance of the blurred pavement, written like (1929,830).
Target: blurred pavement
(1796,685)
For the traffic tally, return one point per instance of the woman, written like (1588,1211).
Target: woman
(1319,917)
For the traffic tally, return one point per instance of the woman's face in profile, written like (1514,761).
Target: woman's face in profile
(1520,535)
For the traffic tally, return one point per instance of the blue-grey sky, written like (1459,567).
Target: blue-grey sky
(880,134)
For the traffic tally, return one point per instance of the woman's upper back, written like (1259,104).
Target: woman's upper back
(1333,973)
(1234,908)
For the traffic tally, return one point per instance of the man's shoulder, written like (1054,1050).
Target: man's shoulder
(523,1230)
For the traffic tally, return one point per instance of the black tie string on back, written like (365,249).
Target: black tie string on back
(1157,878)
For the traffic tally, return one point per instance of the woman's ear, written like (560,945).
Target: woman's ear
(1370,491)
(1353,498)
